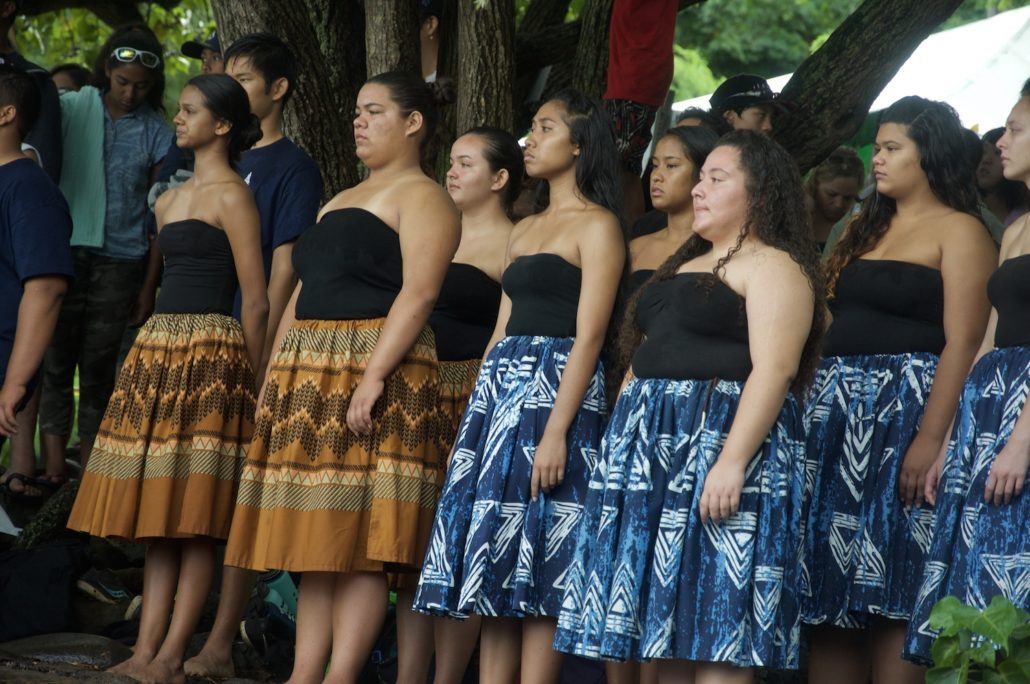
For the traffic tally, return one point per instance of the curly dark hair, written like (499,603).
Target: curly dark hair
(943,156)
(776,215)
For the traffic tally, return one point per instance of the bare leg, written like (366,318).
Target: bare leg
(359,609)
(196,570)
(649,672)
(455,642)
(23,444)
(314,627)
(676,672)
(215,658)
(54,448)
(160,575)
(888,637)
(722,673)
(838,656)
(499,650)
(541,664)
(414,640)
(622,673)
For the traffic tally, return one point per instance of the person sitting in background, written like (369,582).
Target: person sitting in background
(70,77)
(832,190)
(35,264)
(744,102)
(1007,200)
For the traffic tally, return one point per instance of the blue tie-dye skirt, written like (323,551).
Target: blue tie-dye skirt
(864,552)
(648,579)
(979,550)
(493,551)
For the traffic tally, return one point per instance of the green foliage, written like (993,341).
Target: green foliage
(990,645)
(75,35)
(691,75)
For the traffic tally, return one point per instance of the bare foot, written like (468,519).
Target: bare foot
(162,672)
(210,664)
(131,667)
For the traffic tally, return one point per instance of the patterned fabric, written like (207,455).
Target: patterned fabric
(313,495)
(632,123)
(457,380)
(494,551)
(864,552)
(648,579)
(169,451)
(979,550)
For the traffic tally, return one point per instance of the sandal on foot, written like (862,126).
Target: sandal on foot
(23,495)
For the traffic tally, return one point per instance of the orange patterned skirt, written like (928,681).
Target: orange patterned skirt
(316,497)
(170,449)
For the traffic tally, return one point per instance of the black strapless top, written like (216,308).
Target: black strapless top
(349,265)
(638,278)
(884,306)
(199,273)
(544,293)
(1009,292)
(695,328)
(465,313)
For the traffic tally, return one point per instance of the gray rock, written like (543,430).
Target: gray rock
(86,650)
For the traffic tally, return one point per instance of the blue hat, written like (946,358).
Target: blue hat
(195,48)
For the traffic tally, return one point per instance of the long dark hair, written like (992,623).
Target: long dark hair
(227,101)
(140,37)
(935,129)
(597,166)
(501,151)
(776,216)
(411,94)
(1013,193)
(697,143)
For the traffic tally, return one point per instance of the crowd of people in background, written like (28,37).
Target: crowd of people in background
(677,416)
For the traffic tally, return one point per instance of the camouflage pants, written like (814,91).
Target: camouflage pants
(89,332)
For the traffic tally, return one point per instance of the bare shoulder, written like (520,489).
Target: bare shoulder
(231,194)
(165,200)
(769,265)
(1016,239)
(962,230)
(420,193)
(599,224)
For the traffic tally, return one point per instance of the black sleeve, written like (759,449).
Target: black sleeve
(174,160)
(45,136)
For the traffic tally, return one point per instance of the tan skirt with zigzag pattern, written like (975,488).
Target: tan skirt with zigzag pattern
(313,495)
(173,440)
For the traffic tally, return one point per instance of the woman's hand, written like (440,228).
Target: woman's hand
(1008,474)
(548,464)
(933,477)
(359,412)
(918,459)
(720,497)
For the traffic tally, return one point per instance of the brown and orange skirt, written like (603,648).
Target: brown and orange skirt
(169,452)
(316,497)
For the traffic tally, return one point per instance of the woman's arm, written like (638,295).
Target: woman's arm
(602,253)
(780,304)
(967,260)
(430,230)
(238,217)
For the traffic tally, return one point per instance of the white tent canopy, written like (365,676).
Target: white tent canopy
(978,69)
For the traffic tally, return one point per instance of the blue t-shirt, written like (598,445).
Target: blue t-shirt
(287,188)
(35,229)
(133,144)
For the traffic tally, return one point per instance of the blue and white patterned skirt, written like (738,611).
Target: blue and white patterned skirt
(648,579)
(493,550)
(979,550)
(864,552)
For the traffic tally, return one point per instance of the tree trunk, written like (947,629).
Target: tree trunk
(323,34)
(486,63)
(543,13)
(591,65)
(391,36)
(447,67)
(834,88)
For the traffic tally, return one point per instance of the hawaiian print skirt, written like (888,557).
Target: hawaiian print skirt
(979,550)
(864,552)
(169,452)
(314,496)
(648,579)
(494,551)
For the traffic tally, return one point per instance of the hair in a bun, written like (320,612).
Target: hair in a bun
(443,90)
(412,94)
(227,101)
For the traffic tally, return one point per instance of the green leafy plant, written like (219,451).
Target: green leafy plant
(990,645)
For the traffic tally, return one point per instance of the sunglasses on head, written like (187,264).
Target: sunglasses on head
(130,54)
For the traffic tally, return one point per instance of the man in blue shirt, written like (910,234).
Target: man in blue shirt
(35,262)
(287,187)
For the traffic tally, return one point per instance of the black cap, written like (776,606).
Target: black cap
(195,48)
(742,91)
(430,8)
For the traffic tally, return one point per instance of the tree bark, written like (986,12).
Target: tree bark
(447,67)
(544,13)
(486,38)
(323,34)
(391,36)
(591,65)
(834,88)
